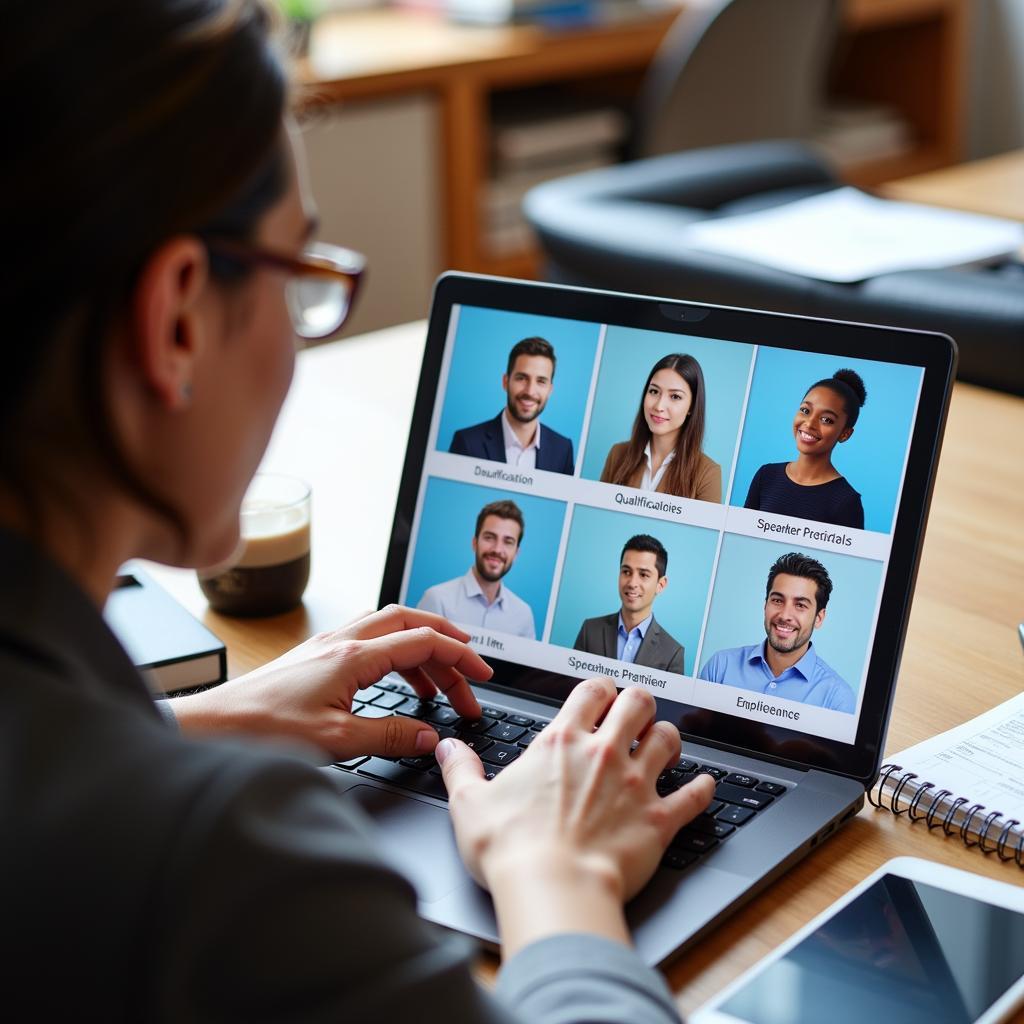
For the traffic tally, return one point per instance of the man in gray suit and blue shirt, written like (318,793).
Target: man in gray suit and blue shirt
(632,634)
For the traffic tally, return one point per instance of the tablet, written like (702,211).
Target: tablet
(914,942)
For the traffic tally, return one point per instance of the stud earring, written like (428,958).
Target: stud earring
(186,392)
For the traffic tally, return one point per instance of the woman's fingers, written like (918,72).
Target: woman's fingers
(688,801)
(396,617)
(629,716)
(426,654)
(659,748)
(587,703)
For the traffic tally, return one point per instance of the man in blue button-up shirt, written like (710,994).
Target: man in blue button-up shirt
(786,664)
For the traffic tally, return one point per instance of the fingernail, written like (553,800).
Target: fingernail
(442,750)
(426,740)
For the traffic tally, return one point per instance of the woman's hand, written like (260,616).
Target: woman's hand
(307,693)
(574,828)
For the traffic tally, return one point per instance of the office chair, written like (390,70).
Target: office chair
(623,228)
(736,71)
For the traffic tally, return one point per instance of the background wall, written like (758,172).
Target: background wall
(995,120)
(374,172)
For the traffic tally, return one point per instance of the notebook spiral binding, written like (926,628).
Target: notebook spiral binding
(890,785)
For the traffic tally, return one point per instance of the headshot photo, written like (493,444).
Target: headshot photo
(664,452)
(809,486)
(631,633)
(648,578)
(790,624)
(517,389)
(485,557)
(828,457)
(666,413)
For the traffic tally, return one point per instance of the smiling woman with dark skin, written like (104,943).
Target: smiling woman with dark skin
(810,487)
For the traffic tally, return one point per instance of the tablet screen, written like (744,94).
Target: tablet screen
(901,951)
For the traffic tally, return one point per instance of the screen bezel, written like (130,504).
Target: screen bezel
(934,353)
(914,869)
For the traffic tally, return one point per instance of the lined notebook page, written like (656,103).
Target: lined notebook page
(981,760)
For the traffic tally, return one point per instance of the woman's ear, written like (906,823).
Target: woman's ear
(168,328)
(846,435)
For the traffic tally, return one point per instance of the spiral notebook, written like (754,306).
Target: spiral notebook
(968,781)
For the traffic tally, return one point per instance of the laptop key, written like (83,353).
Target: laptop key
(500,753)
(352,763)
(389,700)
(372,711)
(441,716)
(678,859)
(492,771)
(526,739)
(539,726)
(716,773)
(505,731)
(734,815)
(421,764)
(520,720)
(415,708)
(477,743)
(475,725)
(741,796)
(493,712)
(685,766)
(739,779)
(405,778)
(694,842)
(771,787)
(708,826)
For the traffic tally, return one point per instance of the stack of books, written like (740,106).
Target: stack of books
(852,133)
(535,140)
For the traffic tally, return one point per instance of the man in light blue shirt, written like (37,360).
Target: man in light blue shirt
(632,634)
(785,664)
(479,598)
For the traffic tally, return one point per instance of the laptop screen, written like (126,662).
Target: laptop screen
(706,512)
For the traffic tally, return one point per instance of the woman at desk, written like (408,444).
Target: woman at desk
(665,450)
(163,265)
(811,487)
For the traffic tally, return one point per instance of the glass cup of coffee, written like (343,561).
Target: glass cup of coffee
(270,569)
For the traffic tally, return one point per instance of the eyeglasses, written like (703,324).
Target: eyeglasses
(322,282)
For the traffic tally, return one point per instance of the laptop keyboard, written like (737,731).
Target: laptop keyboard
(500,736)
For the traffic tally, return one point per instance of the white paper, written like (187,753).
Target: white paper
(846,235)
(981,760)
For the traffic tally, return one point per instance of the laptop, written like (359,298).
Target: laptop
(766,615)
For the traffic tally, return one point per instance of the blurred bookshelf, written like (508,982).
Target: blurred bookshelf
(502,86)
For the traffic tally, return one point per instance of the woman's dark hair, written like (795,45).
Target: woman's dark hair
(849,386)
(130,122)
(681,473)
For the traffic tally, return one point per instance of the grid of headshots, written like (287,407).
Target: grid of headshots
(794,434)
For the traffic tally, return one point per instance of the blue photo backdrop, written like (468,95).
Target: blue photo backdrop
(483,340)
(590,574)
(626,360)
(737,606)
(871,460)
(444,545)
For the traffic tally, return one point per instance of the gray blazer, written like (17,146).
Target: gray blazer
(659,650)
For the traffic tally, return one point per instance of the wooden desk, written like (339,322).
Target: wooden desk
(344,428)
(909,54)
(994,186)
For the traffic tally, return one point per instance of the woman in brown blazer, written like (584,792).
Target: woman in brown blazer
(664,453)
